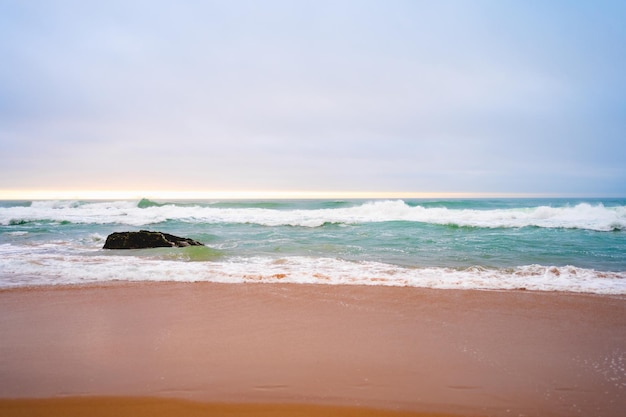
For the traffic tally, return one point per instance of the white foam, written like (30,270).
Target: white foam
(42,268)
(583,216)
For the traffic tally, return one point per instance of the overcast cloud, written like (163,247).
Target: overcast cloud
(416,96)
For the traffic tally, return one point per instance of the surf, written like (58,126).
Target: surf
(582,215)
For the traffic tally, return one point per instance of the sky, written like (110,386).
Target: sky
(485,97)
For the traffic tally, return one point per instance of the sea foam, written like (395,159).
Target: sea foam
(580,216)
(19,269)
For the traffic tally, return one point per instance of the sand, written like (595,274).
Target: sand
(270,349)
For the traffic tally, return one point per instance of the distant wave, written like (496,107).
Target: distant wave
(580,216)
(145,203)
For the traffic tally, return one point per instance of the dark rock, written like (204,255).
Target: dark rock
(146,239)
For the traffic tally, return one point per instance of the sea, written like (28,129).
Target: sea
(569,245)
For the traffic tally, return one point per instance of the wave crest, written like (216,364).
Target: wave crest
(580,216)
(145,203)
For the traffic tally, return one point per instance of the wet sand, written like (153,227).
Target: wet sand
(167,407)
(297,347)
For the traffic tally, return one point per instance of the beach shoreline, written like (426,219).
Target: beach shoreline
(453,352)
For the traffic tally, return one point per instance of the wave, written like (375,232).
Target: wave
(27,269)
(588,216)
(145,203)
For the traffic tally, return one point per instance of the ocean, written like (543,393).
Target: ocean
(571,245)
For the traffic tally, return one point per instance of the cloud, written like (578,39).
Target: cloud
(400,96)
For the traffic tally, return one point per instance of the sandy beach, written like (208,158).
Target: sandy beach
(271,349)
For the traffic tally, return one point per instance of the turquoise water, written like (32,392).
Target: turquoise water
(541,244)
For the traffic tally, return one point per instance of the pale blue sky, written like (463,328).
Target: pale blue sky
(416,96)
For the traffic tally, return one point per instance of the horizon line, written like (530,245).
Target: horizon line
(266,194)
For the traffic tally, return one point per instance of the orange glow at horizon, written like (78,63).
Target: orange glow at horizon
(235,195)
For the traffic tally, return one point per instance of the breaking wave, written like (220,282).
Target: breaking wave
(587,216)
